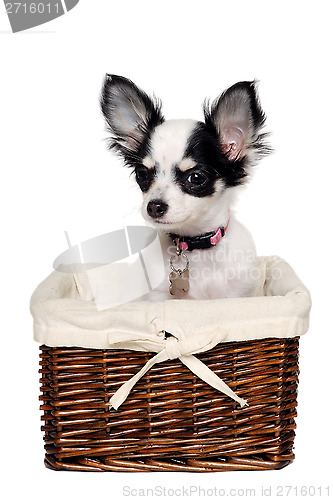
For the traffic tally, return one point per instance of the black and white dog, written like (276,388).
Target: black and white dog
(189,173)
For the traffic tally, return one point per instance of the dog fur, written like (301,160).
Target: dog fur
(190,173)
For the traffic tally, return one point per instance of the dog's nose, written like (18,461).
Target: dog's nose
(157,208)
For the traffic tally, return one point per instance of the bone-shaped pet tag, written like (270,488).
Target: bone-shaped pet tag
(179,281)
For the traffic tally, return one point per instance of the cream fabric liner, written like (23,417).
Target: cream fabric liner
(65,314)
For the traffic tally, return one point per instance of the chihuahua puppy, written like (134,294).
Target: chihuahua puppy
(189,173)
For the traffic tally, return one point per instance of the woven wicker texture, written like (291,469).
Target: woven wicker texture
(172,421)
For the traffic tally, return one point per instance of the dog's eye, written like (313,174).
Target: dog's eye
(196,179)
(142,174)
(144,177)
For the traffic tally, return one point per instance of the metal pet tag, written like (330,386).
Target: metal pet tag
(179,278)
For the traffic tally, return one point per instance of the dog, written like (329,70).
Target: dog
(189,173)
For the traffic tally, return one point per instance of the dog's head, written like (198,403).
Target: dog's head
(185,168)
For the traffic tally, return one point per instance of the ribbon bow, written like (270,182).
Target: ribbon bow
(172,348)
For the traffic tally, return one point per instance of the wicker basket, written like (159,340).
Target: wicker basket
(171,421)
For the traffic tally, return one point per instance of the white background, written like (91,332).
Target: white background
(56,175)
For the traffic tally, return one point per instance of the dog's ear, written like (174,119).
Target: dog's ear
(129,112)
(237,118)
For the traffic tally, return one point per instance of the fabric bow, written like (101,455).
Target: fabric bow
(172,348)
